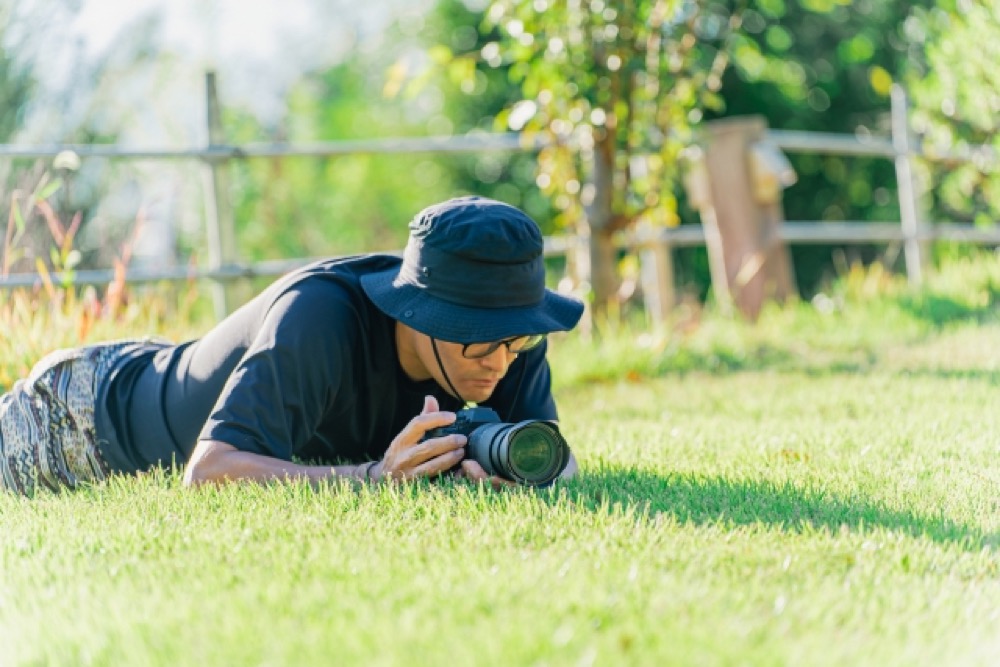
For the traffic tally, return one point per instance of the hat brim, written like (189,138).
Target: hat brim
(456,323)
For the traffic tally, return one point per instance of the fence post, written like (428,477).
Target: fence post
(219,221)
(656,272)
(909,188)
(737,185)
(578,264)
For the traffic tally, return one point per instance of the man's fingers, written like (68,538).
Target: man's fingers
(475,472)
(436,465)
(412,448)
(430,449)
(427,420)
(417,428)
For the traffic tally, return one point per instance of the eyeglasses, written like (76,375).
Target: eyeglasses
(515,345)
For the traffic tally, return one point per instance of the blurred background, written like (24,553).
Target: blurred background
(609,102)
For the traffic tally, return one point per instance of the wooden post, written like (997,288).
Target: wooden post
(914,250)
(740,208)
(219,221)
(656,272)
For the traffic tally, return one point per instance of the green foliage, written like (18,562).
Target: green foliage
(826,66)
(98,97)
(803,64)
(957,98)
(606,81)
(17,84)
(303,207)
(474,93)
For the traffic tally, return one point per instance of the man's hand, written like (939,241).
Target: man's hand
(408,457)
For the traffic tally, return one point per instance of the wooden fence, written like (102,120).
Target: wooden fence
(224,267)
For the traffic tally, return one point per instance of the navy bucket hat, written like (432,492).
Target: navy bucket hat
(472,272)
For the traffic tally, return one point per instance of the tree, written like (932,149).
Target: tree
(609,88)
(957,102)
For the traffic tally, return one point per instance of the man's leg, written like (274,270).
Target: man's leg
(47,434)
(18,430)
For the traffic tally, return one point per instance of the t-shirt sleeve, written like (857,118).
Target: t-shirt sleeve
(526,390)
(290,374)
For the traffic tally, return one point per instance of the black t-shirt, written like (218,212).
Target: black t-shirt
(307,369)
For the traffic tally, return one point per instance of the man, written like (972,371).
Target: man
(346,362)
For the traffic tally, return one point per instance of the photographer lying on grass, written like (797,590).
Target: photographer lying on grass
(348,361)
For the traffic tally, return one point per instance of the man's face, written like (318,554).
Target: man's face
(474,379)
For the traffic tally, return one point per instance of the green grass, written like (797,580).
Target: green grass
(821,489)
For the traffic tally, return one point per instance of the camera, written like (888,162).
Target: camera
(531,452)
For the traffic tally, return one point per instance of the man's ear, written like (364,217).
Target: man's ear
(407,343)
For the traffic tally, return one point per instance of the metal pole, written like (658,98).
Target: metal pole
(221,228)
(909,188)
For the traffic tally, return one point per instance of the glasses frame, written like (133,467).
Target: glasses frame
(507,342)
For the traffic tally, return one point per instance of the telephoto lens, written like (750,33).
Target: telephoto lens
(530,452)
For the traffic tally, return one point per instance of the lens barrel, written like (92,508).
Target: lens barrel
(531,452)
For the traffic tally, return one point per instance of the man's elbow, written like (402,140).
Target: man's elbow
(194,476)
(205,465)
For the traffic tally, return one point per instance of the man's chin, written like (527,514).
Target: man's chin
(472,394)
(478,393)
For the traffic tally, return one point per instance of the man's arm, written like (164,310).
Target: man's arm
(214,461)
(408,456)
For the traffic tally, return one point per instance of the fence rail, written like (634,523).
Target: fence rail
(799,233)
(791,141)
(469,143)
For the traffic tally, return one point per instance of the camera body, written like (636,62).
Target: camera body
(531,452)
(466,421)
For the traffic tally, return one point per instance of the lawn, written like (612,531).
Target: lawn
(821,489)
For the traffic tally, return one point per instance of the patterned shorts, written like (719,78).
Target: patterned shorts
(48,438)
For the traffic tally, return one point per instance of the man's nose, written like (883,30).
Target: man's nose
(498,360)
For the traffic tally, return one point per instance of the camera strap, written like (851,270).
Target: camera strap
(437,355)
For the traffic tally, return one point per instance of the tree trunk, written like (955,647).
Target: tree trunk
(600,220)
